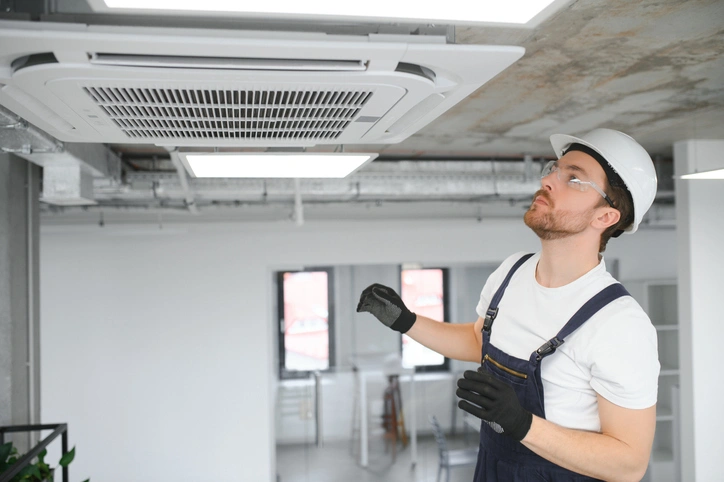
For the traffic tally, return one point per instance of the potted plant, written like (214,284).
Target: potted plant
(34,472)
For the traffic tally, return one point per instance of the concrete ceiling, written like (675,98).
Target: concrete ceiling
(653,69)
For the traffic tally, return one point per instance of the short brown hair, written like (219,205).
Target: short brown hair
(623,202)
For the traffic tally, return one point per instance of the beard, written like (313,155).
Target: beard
(549,225)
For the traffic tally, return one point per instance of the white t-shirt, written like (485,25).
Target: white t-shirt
(613,354)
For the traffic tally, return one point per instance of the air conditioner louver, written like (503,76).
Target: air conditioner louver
(187,88)
(182,114)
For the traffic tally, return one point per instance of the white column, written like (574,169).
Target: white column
(700,232)
(363,441)
(413,418)
(19,330)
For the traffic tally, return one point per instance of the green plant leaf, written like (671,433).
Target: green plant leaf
(41,456)
(28,472)
(67,458)
(6,465)
(44,470)
(5,451)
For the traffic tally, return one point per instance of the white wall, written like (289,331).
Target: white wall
(157,346)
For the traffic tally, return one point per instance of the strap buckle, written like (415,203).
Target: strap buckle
(489,318)
(548,347)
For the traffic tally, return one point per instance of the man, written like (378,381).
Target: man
(569,369)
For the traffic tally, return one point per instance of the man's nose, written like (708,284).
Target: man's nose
(546,182)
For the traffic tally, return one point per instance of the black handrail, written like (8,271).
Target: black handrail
(57,428)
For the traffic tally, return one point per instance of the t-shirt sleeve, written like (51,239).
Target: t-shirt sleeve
(624,358)
(494,281)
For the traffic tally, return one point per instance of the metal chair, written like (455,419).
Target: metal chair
(450,458)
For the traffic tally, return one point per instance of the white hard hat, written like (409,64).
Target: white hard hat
(630,161)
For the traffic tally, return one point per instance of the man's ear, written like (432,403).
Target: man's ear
(606,218)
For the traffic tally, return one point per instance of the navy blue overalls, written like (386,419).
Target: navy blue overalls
(502,458)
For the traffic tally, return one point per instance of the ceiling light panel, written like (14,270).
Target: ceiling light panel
(715,174)
(273,165)
(518,12)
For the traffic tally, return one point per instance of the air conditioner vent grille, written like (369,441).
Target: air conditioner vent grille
(229,114)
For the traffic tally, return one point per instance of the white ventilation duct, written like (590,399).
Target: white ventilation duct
(189,87)
(67,185)
(68,168)
(408,181)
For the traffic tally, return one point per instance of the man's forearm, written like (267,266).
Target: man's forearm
(453,340)
(593,454)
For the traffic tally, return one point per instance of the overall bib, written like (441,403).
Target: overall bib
(502,458)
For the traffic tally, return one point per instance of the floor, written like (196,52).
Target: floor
(334,463)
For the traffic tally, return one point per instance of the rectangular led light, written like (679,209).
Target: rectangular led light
(715,174)
(274,164)
(500,11)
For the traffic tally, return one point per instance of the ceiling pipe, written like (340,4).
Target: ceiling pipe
(183,180)
(298,208)
(528,166)
(68,168)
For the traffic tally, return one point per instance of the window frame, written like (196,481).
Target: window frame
(445,365)
(285,374)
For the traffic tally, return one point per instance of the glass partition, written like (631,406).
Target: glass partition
(366,416)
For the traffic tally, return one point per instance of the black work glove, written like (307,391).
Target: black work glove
(386,306)
(495,402)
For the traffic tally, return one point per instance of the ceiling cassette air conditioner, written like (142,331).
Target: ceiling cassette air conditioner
(192,87)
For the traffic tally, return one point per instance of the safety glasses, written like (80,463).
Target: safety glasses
(569,176)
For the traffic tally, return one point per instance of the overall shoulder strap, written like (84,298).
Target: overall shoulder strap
(590,308)
(493,307)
